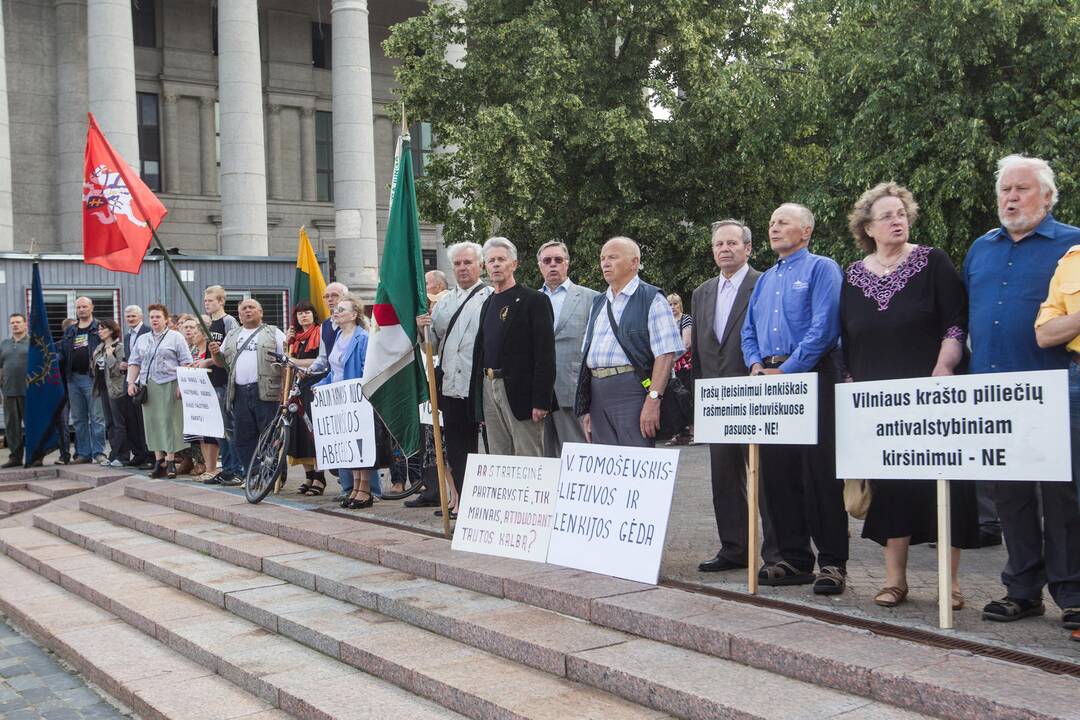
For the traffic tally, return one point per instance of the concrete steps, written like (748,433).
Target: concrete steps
(24,489)
(922,679)
(14,501)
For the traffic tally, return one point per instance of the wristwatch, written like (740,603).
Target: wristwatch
(653,395)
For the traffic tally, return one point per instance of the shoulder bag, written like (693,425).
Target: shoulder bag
(141,393)
(450,326)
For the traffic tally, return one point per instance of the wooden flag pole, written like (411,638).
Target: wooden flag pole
(440,463)
(944,555)
(752,549)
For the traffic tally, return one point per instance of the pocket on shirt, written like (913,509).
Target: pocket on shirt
(1070,290)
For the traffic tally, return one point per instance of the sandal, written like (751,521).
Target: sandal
(958,599)
(170,469)
(890,596)
(313,489)
(830,581)
(357,504)
(1008,609)
(783,573)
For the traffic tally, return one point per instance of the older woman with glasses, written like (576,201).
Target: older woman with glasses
(903,314)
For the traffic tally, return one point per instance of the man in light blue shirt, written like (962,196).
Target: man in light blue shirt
(570,304)
(792,326)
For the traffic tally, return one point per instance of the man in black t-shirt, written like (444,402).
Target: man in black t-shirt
(513,383)
(220,325)
(87,415)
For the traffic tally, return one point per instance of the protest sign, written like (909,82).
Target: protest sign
(1002,426)
(507,505)
(612,508)
(425,414)
(343,422)
(762,409)
(202,414)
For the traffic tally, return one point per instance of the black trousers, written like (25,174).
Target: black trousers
(460,437)
(803,498)
(128,436)
(727,464)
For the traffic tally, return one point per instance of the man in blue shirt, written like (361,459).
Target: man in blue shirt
(792,326)
(1007,272)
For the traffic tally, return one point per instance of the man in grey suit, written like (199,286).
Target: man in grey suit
(570,304)
(719,306)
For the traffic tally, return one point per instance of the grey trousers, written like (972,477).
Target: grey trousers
(615,411)
(727,465)
(505,433)
(14,412)
(562,426)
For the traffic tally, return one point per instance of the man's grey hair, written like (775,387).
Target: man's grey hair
(805,216)
(732,222)
(1042,169)
(135,309)
(554,243)
(251,300)
(341,288)
(454,249)
(635,249)
(500,242)
(439,275)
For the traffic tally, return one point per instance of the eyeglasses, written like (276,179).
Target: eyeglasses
(890,216)
(553,260)
(340,309)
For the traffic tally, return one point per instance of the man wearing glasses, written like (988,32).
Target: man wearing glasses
(570,304)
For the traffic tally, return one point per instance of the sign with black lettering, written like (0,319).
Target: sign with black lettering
(343,422)
(762,409)
(612,508)
(202,413)
(506,506)
(1002,426)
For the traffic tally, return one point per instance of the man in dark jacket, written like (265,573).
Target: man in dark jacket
(513,381)
(87,415)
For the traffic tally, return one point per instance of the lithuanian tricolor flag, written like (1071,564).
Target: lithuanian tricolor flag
(308,284)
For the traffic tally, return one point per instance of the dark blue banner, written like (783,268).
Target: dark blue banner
(44,388)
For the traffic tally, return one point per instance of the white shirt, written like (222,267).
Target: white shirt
(557,297)
(726,290)
(247,362)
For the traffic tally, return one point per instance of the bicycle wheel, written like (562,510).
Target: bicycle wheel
(412,487)
(268,462)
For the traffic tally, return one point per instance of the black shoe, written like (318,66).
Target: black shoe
(11,463)
(989,538)
(720,564)
(80,460)
(62,460)
(1070,618)
(148,465)
(214,479)
(1008,609)
(230,480)
(159,469)
(420,502)
(453,514)
(36,463)
(133,463)
(170,469)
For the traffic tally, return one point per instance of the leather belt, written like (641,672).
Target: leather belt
(600,373)
(774,361)
(493,373)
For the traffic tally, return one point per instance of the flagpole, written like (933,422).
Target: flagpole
(440,462)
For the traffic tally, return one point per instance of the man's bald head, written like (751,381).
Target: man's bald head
(620,259)
(84,309)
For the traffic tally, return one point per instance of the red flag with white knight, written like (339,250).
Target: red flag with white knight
(119,211)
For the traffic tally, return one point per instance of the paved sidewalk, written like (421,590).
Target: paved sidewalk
(692,538)
(33,686)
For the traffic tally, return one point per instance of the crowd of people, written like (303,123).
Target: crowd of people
(530,370)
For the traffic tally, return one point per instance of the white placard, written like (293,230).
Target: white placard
(1003,426)
(763,409)
(612,509)
(202,414)
(425,414)
(343,422)
(507,506)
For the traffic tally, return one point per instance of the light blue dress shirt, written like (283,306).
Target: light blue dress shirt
(557,297)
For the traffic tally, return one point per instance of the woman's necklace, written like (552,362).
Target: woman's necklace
(889,268)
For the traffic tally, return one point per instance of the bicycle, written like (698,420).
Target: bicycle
(268,466)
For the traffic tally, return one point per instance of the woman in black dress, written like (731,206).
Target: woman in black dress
(903,312)
(304,338)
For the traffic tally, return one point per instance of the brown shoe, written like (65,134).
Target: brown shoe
(891,596)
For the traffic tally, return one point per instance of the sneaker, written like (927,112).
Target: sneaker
(116,463)
(230,480)
(101,459)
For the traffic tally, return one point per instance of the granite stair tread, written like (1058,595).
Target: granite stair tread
(57,488)
(16,501)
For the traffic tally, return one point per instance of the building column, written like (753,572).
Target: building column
(110,67)
(307,154)
(276,179)
(71,104)
(354,149)
(454,54)
(7,230)
(240,110)
(172,143)
(208,146)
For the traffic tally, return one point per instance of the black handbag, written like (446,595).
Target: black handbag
(676,405)
(142,394)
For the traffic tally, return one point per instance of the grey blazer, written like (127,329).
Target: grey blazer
(569,333)
(713,356)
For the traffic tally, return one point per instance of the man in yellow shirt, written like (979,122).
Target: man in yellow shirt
(1058,323)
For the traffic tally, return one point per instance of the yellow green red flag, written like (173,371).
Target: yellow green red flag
(308,283)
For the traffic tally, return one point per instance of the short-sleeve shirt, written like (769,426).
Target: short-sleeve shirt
(13,359)
(219,376)
(247,362)
(1063,297)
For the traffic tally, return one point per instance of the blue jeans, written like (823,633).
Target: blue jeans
(250,416)
(1074,421)
(86,415)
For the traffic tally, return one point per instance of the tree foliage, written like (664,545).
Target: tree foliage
(554,130)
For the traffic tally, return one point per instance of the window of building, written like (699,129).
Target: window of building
(322,45)
(324,156)
(60,304)
(430,259)
(149,140)
(275,305)
(420,144)
(144,23)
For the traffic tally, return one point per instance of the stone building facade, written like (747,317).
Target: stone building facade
(249,119)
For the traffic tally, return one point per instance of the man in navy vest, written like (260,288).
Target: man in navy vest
(623,409)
